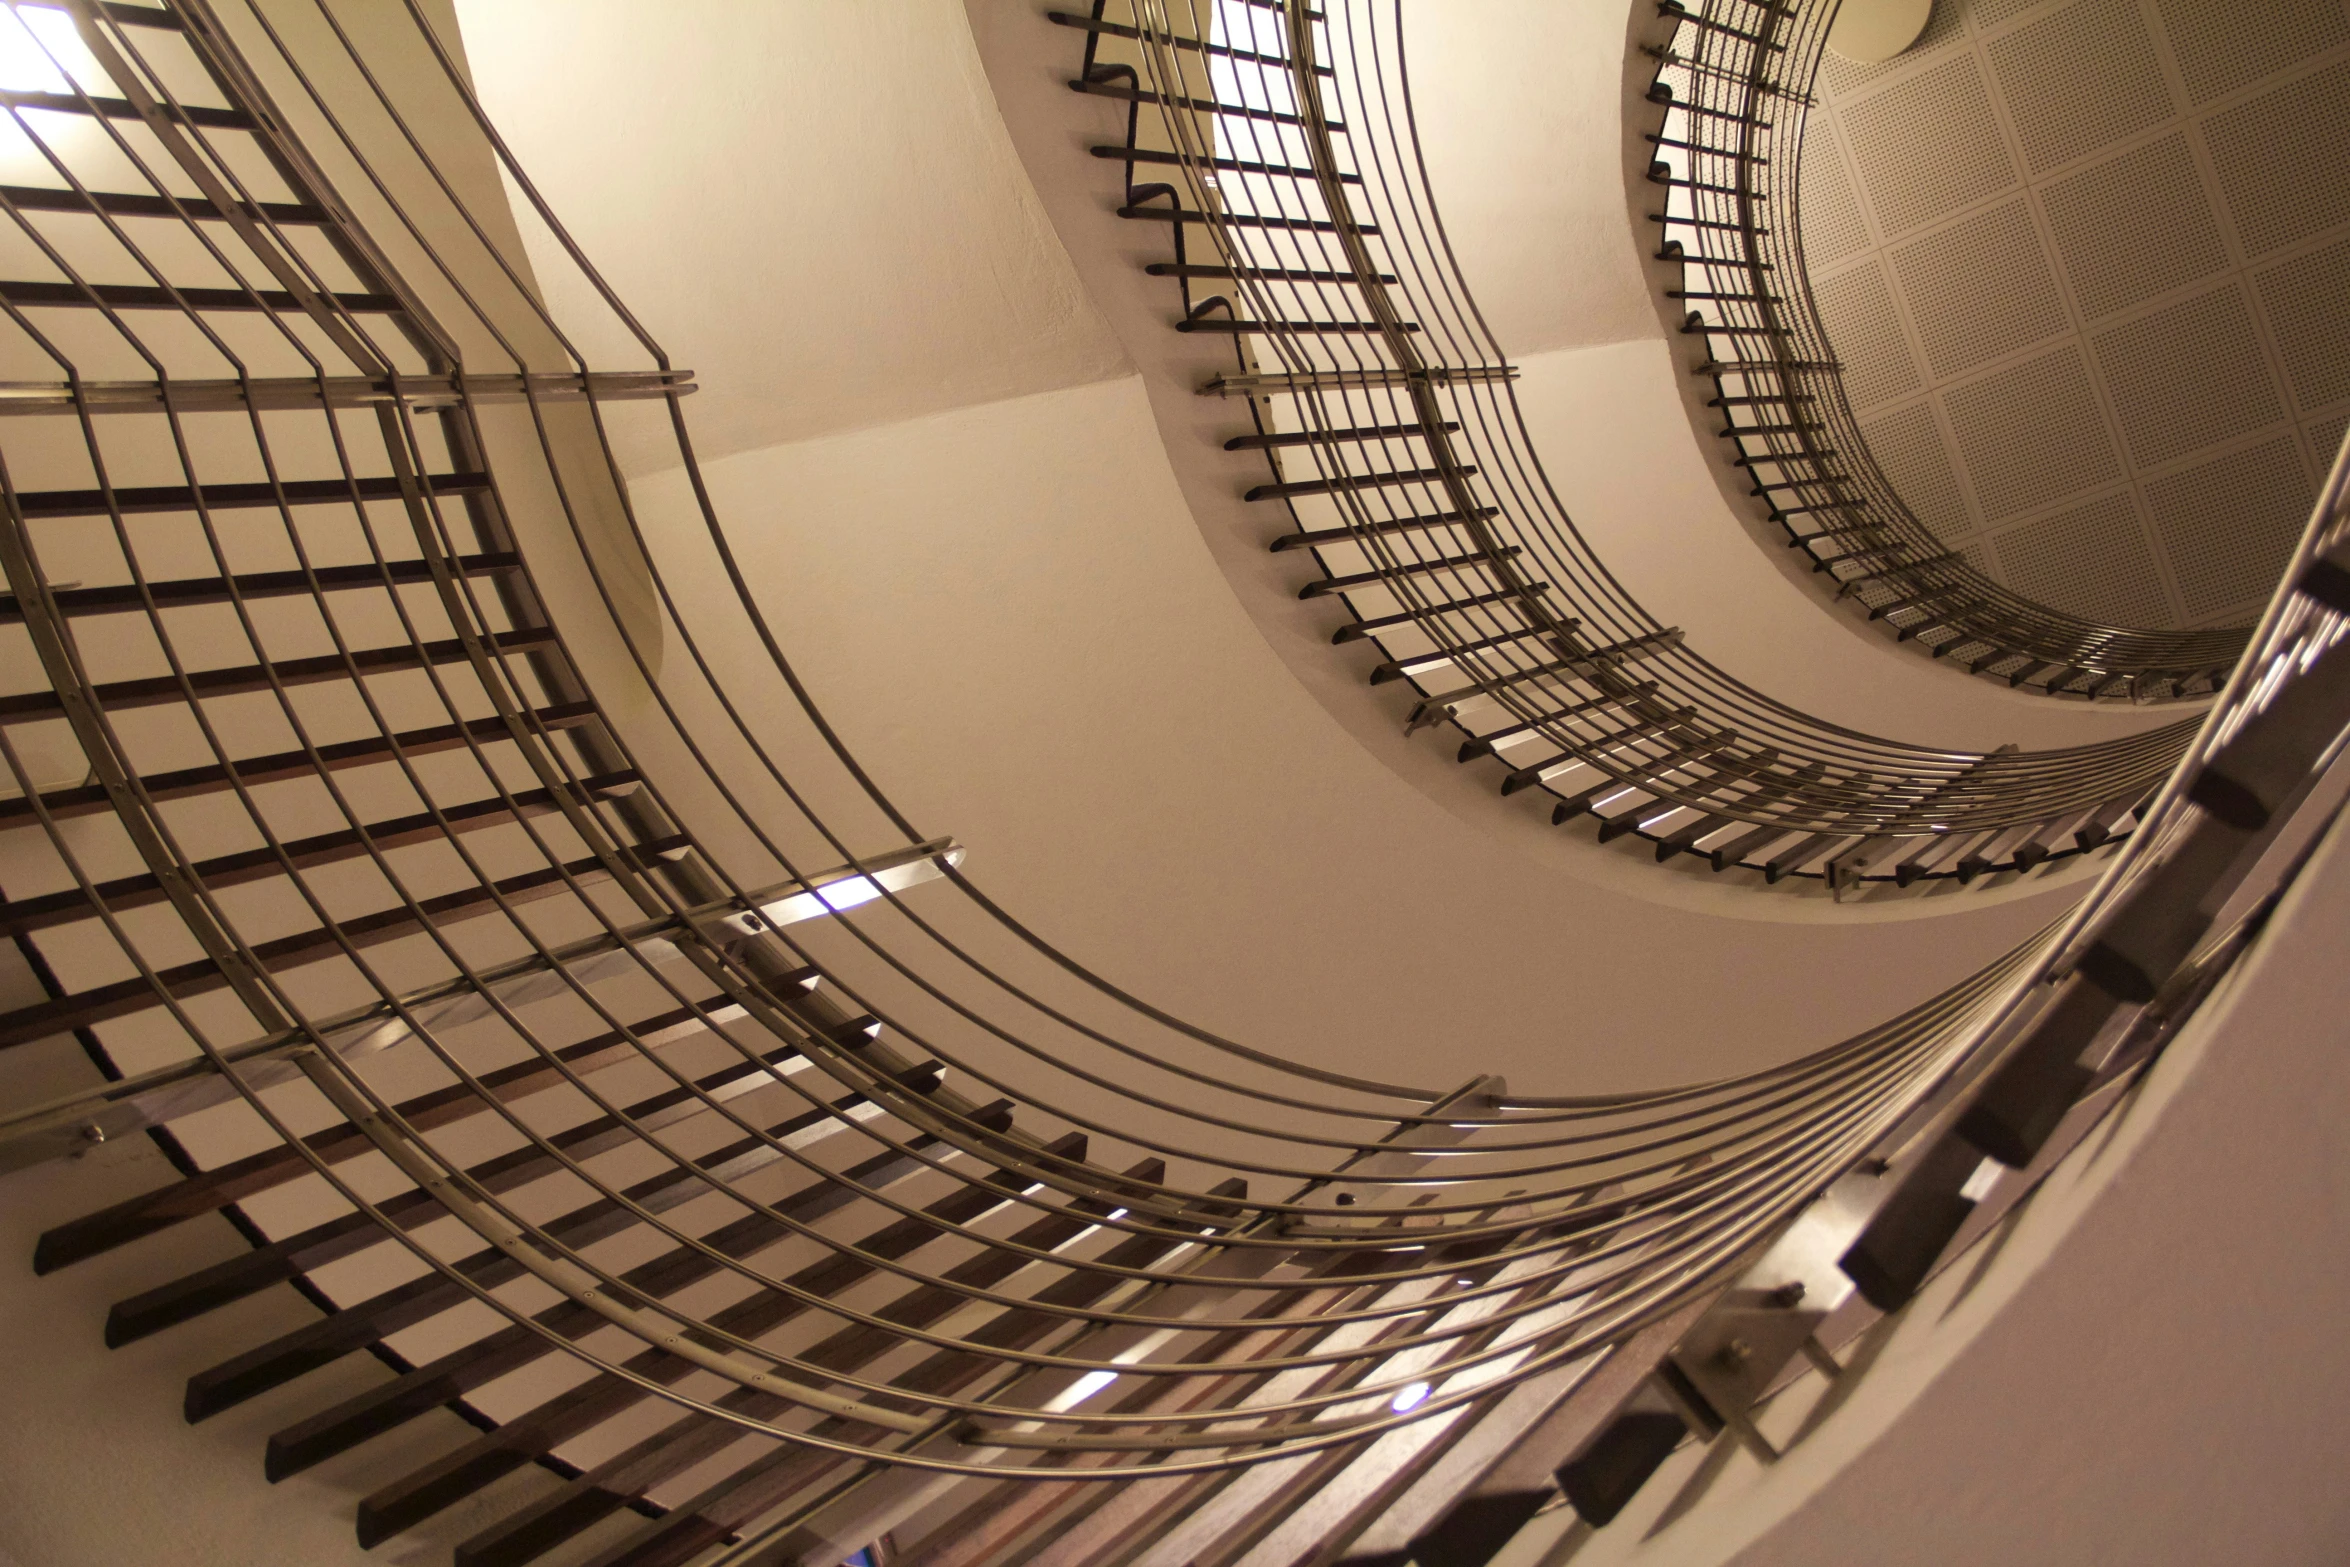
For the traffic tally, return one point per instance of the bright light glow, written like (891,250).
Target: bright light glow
(1409,1398)
(28,39)
(1089,1384)
(835,892)
(1978,1185)
(1117,1214)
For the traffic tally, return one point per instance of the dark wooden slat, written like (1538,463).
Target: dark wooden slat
(356,1326)
(249,865)
(187,782)
(100,1003)
(1484,1519)
(211,1190)
(133,498)
(241,679)
(124,109)
(755,1487)
(531,1436)
(176,592)
(380,1409)
(1342,483)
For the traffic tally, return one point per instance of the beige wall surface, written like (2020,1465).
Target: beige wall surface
(812,204)
(1012,617)
(2146,1367)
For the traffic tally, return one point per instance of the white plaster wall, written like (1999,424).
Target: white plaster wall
(1011,615)
(812,204)
(2147,1368)
(1520,109)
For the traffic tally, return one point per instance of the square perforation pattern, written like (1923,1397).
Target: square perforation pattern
(2188,376)
(1990,13)
(2032,434)
(2135,226)
(1947,109)
(2280,159)
(2222,45)
(2167,152)
(1833,226)
(2312,292)
(1857,309)
(2326,437)
(1980,289)
(2096,555)
(1910,453)
(2228,524)
(2080,80)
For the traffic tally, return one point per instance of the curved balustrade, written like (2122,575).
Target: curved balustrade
(530,969)
(1283,163)
(1734,79)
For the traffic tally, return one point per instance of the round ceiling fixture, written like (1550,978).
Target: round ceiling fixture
(1869,32)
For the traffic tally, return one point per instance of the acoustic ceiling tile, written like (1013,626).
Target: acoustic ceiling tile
(1857,310)
(1990,13)
(2092,560)
(2032,434)
(2080,80)
(1948,109)
(2327,435)
(2188,375)
(2134,226)
(2308,304)
(2221,47)
(1980,289)
(1832,225)
(2280,159)
(1910,453)
(2227,525)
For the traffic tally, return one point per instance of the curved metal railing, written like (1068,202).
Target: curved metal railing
(1734,78)
(545,988)
(1284,162)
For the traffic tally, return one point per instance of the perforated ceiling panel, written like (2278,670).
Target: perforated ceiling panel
(2228,524)
(1915,456)
(2087,262)
(2097,553)
(1869,339)
(1980,289)
(2135,226)
(2079,80)
(2223,47)
(2188,376)
(2280,159)
(2312,292)
(1948,109)
(1833,226)
(2032,434)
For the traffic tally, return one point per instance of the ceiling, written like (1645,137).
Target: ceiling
(2087,265)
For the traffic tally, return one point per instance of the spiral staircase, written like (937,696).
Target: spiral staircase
(426,834)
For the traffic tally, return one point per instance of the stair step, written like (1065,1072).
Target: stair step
(1238,220)
(1366,432)
(127,296)
(1286,171)
(1344,483)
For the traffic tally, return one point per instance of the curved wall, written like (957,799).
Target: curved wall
(2147,1366)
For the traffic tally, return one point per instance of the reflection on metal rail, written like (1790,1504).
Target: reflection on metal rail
(379,720)
(1384,411)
